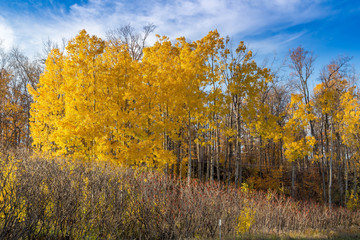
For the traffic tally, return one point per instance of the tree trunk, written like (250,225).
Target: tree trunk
(238,166)
(355,178)
(323,166)
(330,165)
(346,174)
(178,164)
(212,156)
(189,164)
(200,155)
(293,179)
(208,161)
(218,153)
(230,152)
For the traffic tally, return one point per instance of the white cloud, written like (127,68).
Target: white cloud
(6,34)
(274,43)
(190,18)
(231,17)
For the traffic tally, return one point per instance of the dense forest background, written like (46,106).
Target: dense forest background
(204,109)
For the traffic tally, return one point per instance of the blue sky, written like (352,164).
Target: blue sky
(327,27)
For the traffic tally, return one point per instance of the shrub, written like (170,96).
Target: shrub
(41,198)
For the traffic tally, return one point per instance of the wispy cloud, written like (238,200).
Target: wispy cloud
(7,37)
(274,43)
(190,18)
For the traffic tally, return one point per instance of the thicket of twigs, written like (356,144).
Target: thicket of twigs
(56,199)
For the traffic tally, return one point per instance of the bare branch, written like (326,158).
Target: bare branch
(134,41)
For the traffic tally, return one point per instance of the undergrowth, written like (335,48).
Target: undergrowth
(41,198)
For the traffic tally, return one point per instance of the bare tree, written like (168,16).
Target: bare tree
(302,63)
(47,46)
(134,41)
(23,73)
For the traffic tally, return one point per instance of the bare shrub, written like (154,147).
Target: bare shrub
(60,199)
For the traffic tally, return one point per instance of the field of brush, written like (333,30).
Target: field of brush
(58,199)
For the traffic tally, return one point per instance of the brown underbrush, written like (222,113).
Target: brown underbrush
(60,199)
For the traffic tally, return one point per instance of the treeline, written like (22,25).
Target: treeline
(201,109)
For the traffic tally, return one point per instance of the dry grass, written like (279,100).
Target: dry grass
(56,199)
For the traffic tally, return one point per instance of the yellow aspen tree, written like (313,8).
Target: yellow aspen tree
(117,78)
(350,129)
(265,125)
(297,143)
(82,104)
(174,81)
(243,79)
(349,118)
(48,107)
(328,94)
(201,69)
(82,123)
(159,99)
(212,45)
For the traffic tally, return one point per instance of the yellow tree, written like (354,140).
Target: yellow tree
(244,81)
(174,78)
(350,128)
(327,101)
(159,91)
(64,110)
(48,107)
(83,100)
(96,102)
(210,113)
(114,108)
(297,143)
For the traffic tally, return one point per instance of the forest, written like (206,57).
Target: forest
(198,119)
